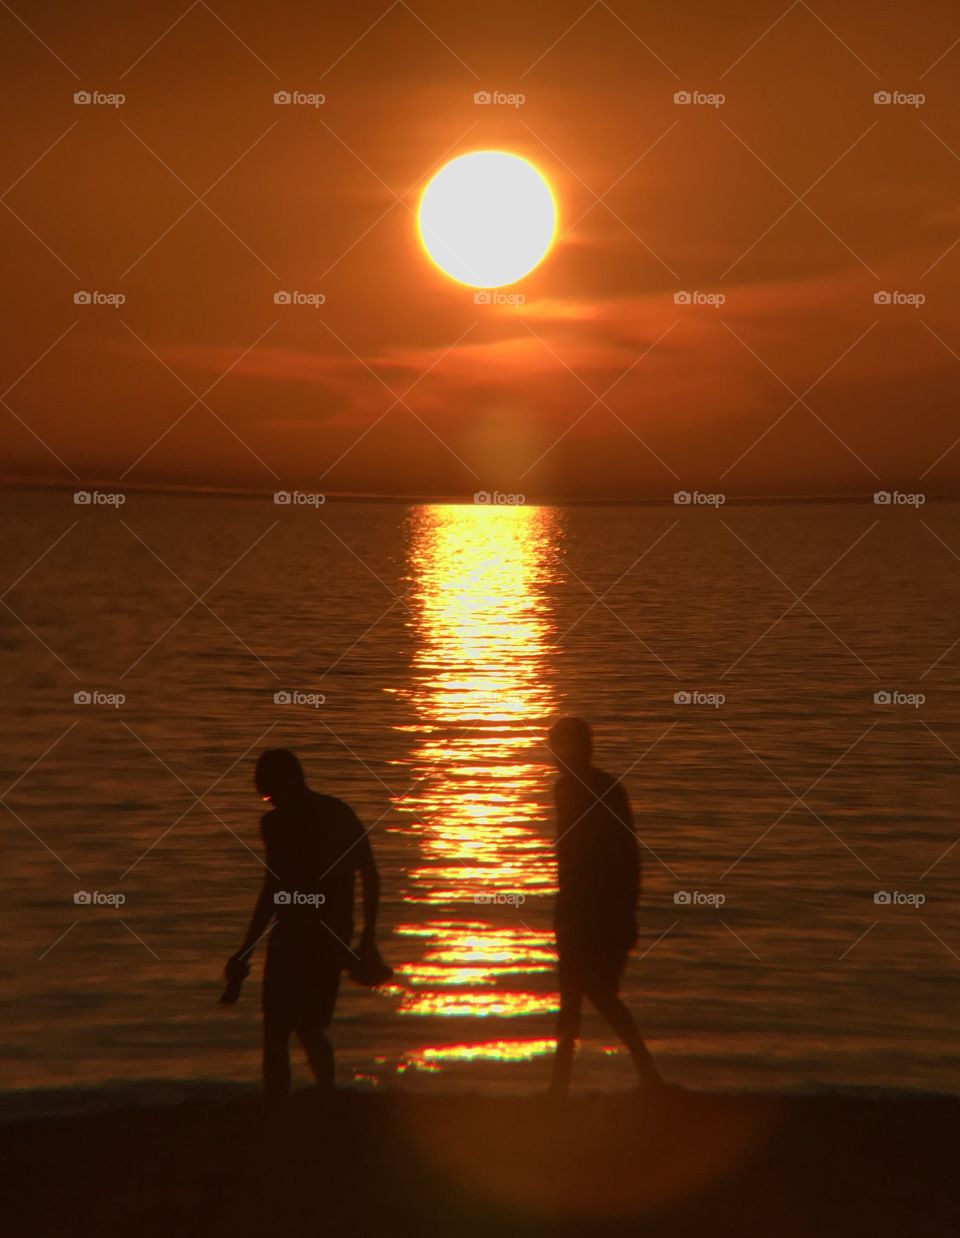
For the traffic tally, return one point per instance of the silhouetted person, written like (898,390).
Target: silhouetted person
(314,845)
(598,867)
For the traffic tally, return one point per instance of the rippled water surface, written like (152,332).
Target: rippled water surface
(729,661)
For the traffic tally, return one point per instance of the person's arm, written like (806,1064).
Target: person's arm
(263,912)
(632,868)
(370,879)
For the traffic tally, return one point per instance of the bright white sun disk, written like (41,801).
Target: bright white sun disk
(487,218)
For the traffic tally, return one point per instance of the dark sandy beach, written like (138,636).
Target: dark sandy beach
(459,1166)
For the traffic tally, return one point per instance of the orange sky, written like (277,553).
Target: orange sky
(798,199)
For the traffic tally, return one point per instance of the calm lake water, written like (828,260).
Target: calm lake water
(773,806)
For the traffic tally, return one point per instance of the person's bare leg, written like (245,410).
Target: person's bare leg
(276,1059)
(316,1044)
(568,1032)
(611,1008)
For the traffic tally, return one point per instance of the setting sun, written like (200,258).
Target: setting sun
(487,219)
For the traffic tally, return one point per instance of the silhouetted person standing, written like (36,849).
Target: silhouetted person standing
(598,867)
(314,846)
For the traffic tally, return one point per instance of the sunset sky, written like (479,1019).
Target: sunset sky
(797,198)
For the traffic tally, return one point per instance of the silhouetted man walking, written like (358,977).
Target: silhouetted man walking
(314,846)
(598,868)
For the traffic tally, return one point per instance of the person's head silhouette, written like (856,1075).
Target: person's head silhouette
(571,743)
(279,776)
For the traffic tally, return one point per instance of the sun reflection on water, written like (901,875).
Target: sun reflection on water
(481,694)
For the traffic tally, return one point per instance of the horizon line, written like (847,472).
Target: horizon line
(512,498)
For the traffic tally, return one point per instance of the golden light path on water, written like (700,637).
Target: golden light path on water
(481,696)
